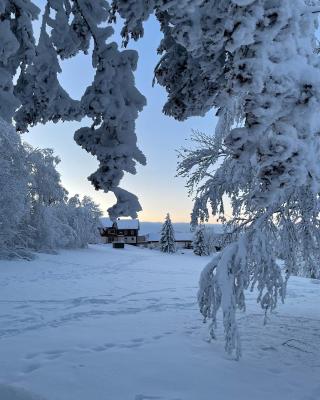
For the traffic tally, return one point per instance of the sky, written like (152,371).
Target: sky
(159,137)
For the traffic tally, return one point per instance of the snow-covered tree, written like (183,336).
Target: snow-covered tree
(167,240)
(215,238)
(35,213)
(30,91)
(71,223)
(56,221)
(92,215)
(13,191)
(44,191)
(264,155)
(83,217)
(200,247)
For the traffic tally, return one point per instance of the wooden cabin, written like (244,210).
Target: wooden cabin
(128,229)
(124,230)
(107,230)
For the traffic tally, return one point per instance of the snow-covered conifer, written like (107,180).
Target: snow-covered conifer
(200,247)
(167,240)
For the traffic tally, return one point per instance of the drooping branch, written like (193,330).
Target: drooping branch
(112,101)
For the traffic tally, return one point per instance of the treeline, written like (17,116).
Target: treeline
(36,213)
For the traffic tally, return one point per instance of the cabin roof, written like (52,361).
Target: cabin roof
(120,223)
(127,223)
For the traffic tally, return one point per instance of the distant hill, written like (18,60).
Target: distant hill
(179,227)
(155,227)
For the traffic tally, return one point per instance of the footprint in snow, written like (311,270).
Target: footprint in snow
(31,367)
(21,307)
(53,354)
(146,397)
(30,356)
(49,355)
(275,370)
(268,348)
(104,347)
(138,340)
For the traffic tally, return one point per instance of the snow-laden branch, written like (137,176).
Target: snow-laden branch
(112,101)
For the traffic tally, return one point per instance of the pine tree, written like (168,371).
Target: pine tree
(167,240)
(200,247)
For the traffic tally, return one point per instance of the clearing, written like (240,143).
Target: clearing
(106,324)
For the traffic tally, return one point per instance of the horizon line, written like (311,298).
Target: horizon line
(161,222)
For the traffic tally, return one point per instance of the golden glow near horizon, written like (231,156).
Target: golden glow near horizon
(158,190)
(149,216)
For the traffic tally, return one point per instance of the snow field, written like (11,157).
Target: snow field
(108,324)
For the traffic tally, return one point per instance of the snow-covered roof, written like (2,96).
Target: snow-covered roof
(127,223)
(106,222)
(121,223)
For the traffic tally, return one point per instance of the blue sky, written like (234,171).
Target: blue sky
(159,136)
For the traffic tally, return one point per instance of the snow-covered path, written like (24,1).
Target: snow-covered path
(105,324)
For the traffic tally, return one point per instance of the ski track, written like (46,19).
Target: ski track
(60,314)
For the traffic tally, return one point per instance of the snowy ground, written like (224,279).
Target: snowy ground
(104,324)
